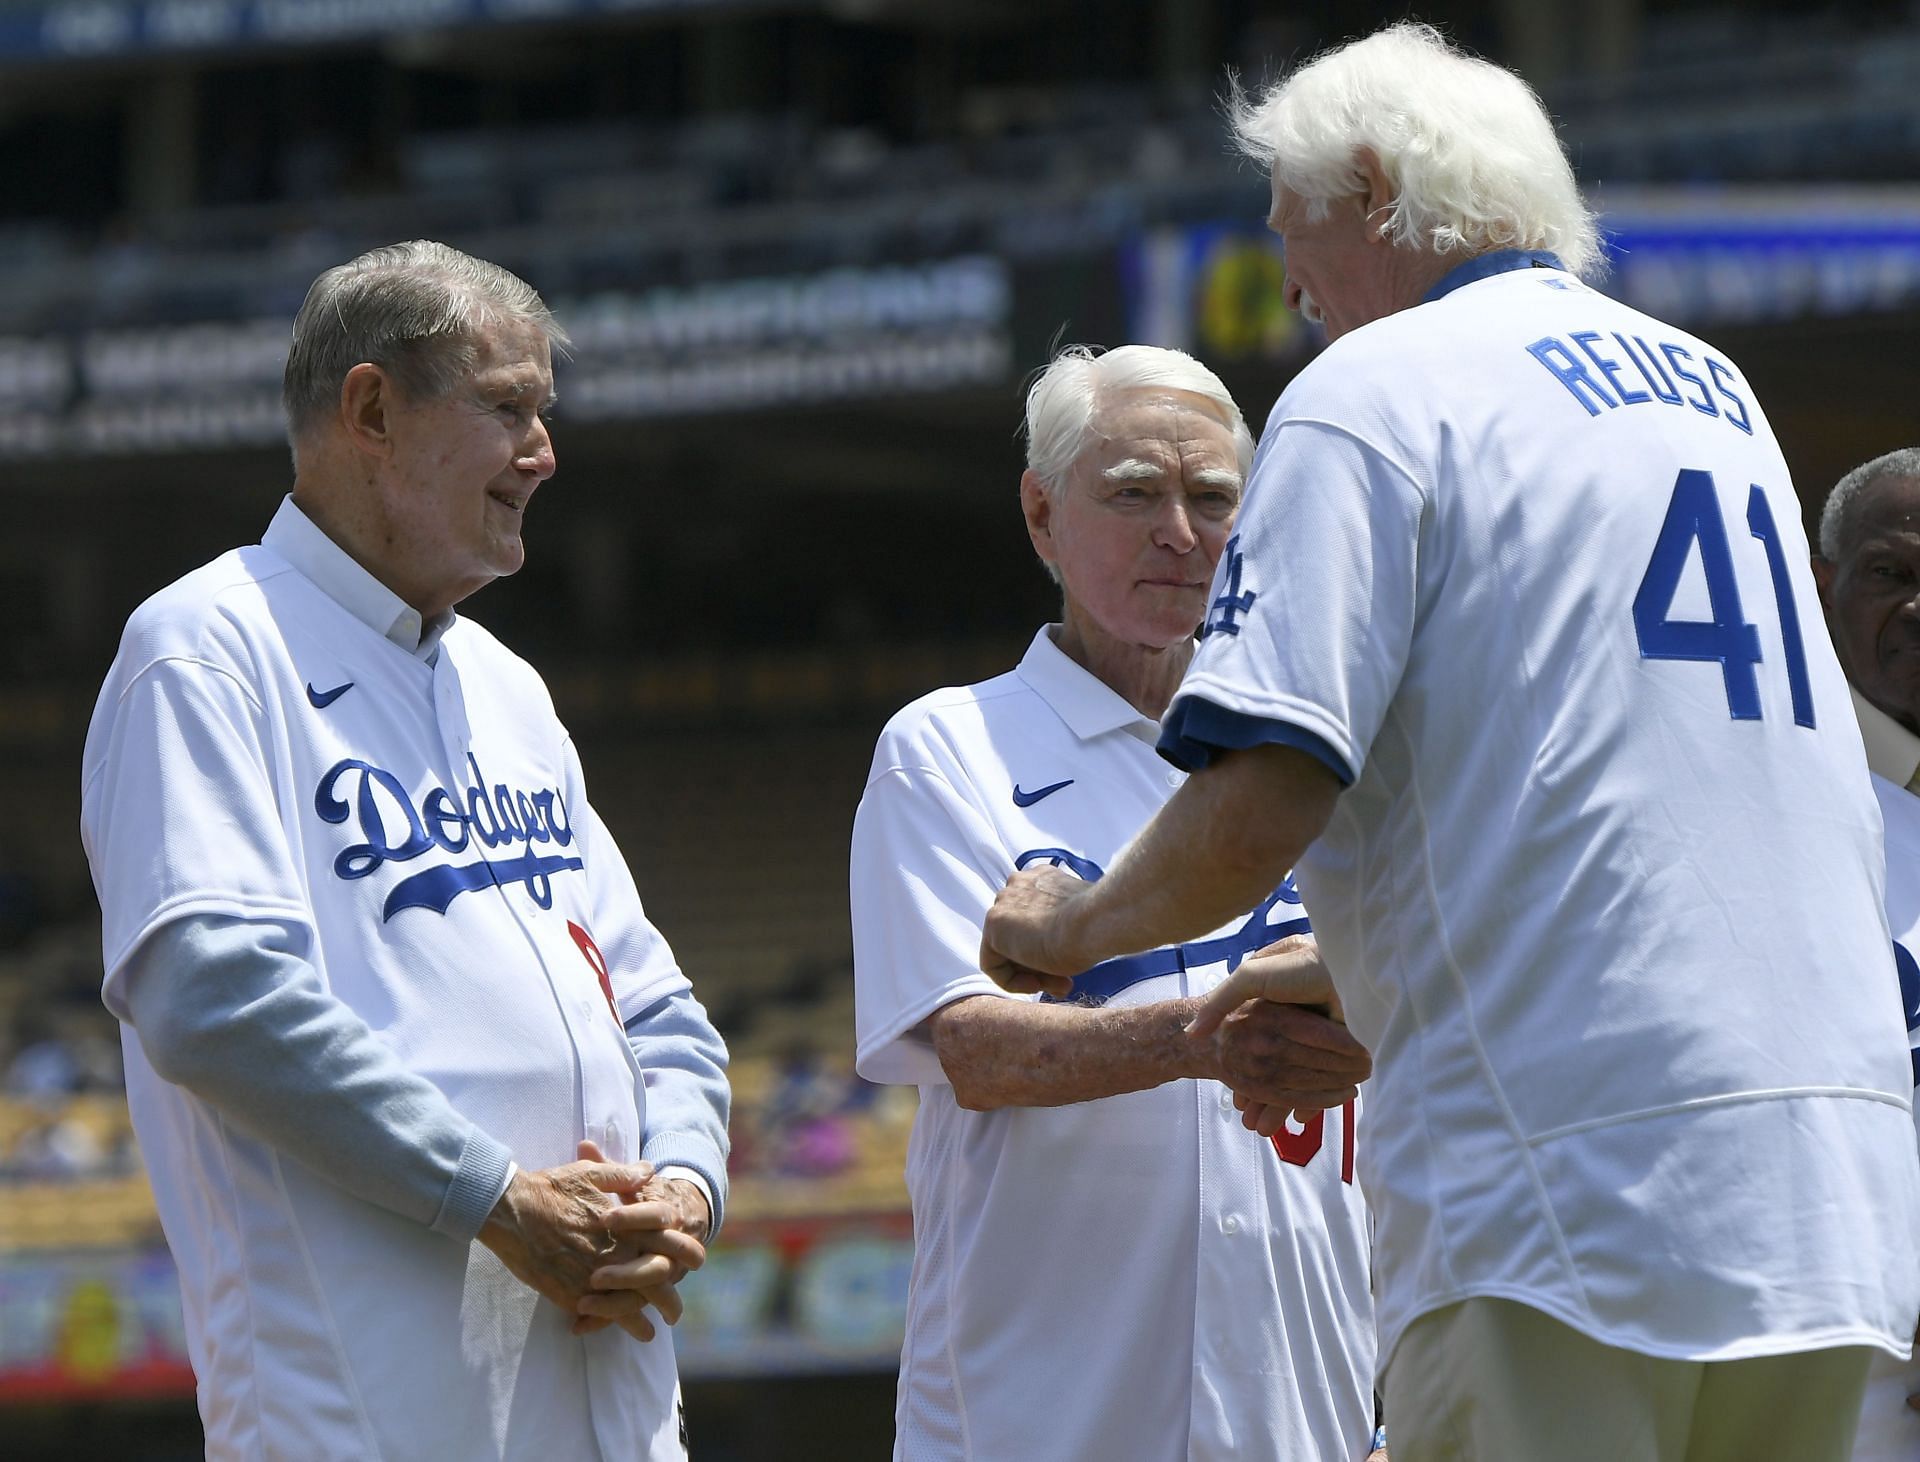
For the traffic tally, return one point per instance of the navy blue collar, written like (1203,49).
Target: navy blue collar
(1484,266)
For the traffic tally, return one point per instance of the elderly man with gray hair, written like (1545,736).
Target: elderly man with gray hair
(427,1105)
(1868,570)
(1085,1193)
(1516,656)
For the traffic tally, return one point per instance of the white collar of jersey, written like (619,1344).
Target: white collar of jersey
(1892,750)
(1088,705)
(298,539)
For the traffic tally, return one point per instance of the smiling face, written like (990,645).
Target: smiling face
(1141,518)
(1338,268)
(462,468)
(1872,597)
(1344,269)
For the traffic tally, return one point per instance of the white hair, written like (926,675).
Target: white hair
(1070,391)
(1467,145)
(1835,517)
(416,310)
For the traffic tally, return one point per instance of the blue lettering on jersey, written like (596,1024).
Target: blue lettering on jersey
(1570,371)
(1588,380)
(495,819)
(1232,602)
(1609,367)
(1909,995)
(1642,359)
(1702,403)
(1723,378)
(1108,978)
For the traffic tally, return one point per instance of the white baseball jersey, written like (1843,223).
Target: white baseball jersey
(1889,1430)
(1604,896)
(260,752)
(1134,1277)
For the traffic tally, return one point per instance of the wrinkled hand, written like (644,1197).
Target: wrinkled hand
(1287,1058)
(1273,1047)
(661,1228)
(550,1228)
(1023,945)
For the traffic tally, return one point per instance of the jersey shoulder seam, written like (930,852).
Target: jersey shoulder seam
(1344,430)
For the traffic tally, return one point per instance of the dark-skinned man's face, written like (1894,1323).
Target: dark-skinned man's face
(1871,595)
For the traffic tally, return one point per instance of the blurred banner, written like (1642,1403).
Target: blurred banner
(1786,256)
(799,1295)
(91,1325)
(1218,289)
(743,344)
(776,1297)
(211,381)
(35,30)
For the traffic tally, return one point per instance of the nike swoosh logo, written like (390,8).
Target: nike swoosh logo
(321,699)
(1027,799)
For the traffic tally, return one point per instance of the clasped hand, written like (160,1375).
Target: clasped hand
(1277,1035)
(604,1241)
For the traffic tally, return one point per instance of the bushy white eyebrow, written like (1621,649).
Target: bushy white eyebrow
(1138,469)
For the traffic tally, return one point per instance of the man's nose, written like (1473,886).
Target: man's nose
(1174,527)
(1290,293)
(536,454)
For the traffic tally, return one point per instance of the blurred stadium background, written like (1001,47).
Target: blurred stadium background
(807,250)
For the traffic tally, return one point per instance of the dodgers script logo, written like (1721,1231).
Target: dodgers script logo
(1271,921)
(381,806)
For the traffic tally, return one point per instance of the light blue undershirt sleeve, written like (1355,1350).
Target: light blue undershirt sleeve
(230,1010)
(683,1062)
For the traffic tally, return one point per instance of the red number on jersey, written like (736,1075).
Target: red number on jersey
(599,962)
(1300,1148)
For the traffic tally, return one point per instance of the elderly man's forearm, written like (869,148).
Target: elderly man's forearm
(1221,844)
(1004,1053)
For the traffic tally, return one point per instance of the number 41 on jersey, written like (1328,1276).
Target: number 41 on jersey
(1693,517)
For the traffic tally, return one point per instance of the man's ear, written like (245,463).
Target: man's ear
(1825,571)
(1376,188)
(366,406)
(1037,508)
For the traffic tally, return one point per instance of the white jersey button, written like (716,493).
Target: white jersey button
(1229,1225)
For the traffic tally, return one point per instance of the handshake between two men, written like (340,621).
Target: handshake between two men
(1273,1027)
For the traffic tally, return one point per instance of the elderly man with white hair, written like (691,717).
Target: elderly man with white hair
(1517,656)
(1108,1262)
(1868,569)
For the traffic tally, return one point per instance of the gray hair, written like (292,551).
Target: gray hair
(1835,517)
(1467,143)
(1068,393)
(416,310)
